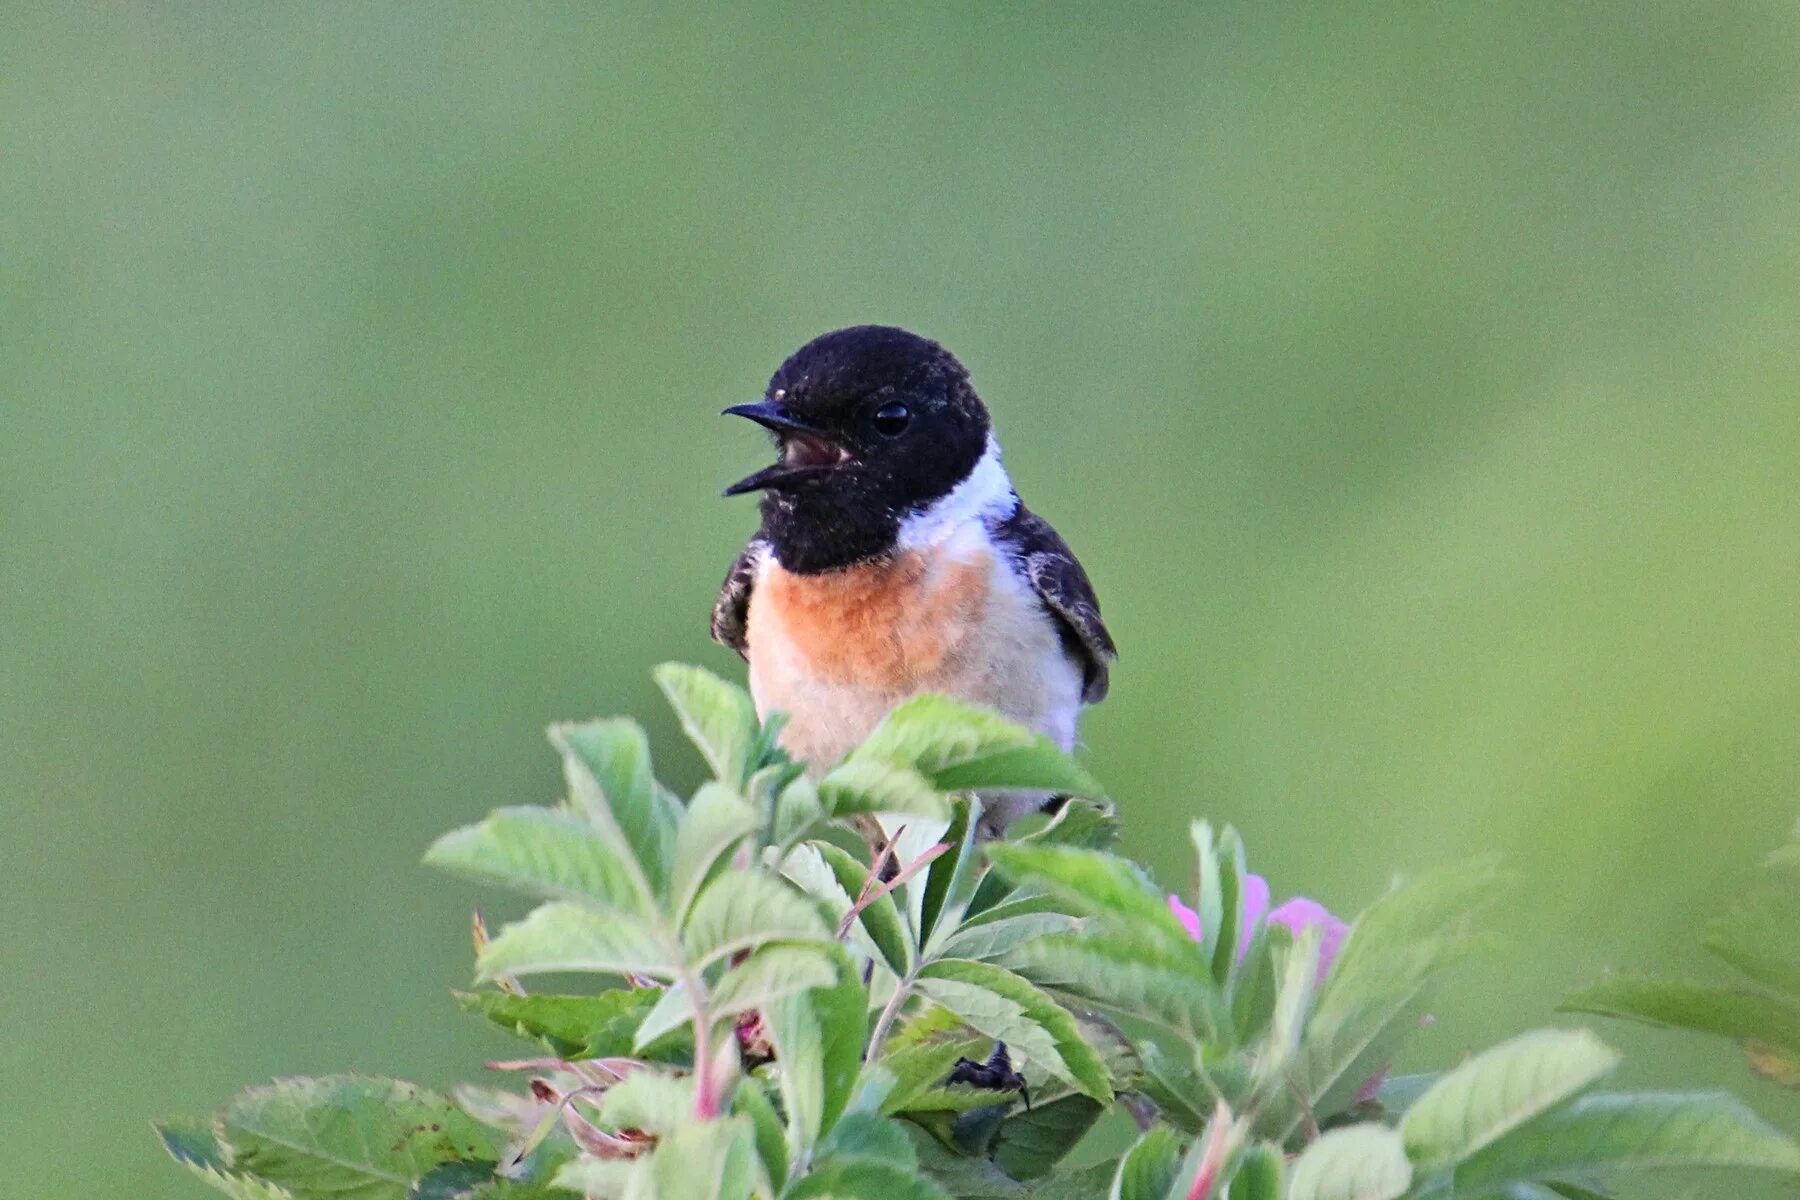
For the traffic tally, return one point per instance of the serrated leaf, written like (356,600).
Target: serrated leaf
(1631,1132)
(870,785)
(1729,1012)
(832,875)
(962,748)
(191,1142)
(569,1026)
(651,1101)
(718,718)
(542,852)
(863,1179)
(818,1036)
(565,936)
(349,1136)
(1093,883)
(922,1055)
(717,819)
(1010,1009)
(1034,1140)
(1149,980)
(1148,1169)
(869,1135)
(771,974)
(1395,953)
(992,940)
(1499,1090)
(1358,1162)
(607,766)
(741,910)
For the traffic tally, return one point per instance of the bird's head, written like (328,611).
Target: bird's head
(872,424)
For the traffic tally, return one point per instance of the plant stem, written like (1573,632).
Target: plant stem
(886,1021)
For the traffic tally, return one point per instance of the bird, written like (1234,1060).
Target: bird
(895,558)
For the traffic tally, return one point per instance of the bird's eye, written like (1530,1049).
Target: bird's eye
(890,419)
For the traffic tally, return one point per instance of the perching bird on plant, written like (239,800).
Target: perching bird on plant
(895,558)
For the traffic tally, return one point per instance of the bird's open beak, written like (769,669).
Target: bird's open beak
(807,452)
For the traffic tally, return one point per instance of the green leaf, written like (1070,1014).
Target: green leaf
(1003,929)
(542,852)
(1761,938)
(797,809)
(1499,1090)
(869,1135)
(651,1101)
(347,1136)
(863,1179)
(568,1026)
(1148,1169)
(705,1160)
(741,910)
(1150,980)
(961,748)
(864,785)
(1631,1132)
(717,820)
(833,876)
(1395,953)
(1231,904)
(1009,1009)
(607,766)
(563,936)
(818,1037)
(771,974)
(751,1101)
(1357,1162)
(1259,1175)
(950,885)
(1209,904)
(1075,1183)
(1705,1008)
(1093,883)
(192,1143)
(920,1057)
(1033,1141)
(718,717)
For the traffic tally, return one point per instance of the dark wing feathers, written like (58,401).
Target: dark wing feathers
(731,610)
(1056,576)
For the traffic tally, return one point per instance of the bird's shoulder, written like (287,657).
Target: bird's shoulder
(1046,563)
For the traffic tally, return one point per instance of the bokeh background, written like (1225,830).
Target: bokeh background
(1419,383)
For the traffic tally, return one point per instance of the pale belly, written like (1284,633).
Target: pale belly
(837,652)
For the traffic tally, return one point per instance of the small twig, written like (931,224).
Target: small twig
(905,873)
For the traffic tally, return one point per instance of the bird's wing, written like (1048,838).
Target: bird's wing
(1057,578)
(730,614)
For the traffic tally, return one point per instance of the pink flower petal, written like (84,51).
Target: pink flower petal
(1190,920)
(1300,914)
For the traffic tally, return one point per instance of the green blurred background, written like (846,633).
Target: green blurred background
(1417,381)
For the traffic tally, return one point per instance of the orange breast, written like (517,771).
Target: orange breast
(893,625)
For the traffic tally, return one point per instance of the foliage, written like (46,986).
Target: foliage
(1760,936)
(781,1010)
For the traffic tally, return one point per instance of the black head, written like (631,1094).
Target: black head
(872,423)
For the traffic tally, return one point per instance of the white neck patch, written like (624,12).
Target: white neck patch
(986,494)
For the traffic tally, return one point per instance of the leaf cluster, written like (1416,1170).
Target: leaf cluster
(781,973)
